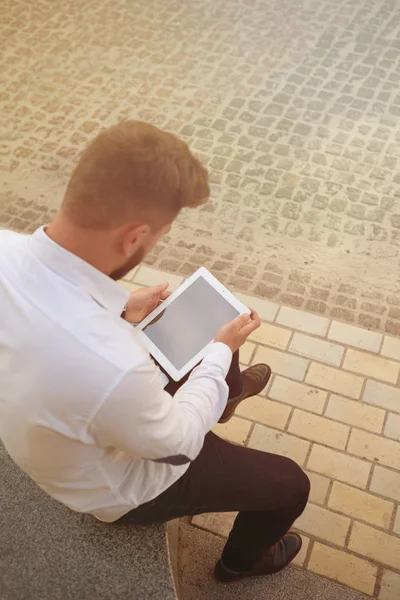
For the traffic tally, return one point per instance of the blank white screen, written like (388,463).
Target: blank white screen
(190,322)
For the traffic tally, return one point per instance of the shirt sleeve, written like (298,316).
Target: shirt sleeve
(140,418)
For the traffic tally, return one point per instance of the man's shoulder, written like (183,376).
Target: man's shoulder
(12,248)
(12,245)
(8,237)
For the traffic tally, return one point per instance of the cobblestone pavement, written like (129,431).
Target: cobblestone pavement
(333,406)
(293,105)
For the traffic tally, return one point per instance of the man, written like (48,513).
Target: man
(83,409)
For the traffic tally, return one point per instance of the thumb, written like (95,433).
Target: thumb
(162,287)
(243,320)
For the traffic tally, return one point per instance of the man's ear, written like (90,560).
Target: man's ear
(133,237)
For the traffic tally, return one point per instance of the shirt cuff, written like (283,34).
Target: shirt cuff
(221,355)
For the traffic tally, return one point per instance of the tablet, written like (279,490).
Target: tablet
(179,332)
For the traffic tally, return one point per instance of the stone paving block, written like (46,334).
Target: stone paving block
(270,335)
(360,505)
(386,483)
(281,363)
(375,544)
(355,336)
(355,413)
(316,349)
(246,352)
(131,275)
(236,430)
(324,524)
(371,366)
(339,466)
(392,427)
(391,347)
(374,448)
(319,488)
(298,394)
(264,411)
(319,429)
(334,380)
(390,586)
(131,287)
(303,321)
(271,440)
(267,310)
(380,394)
(148,276)
(343,567)
(218,523)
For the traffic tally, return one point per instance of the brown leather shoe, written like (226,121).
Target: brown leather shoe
(274,560)
(254,380)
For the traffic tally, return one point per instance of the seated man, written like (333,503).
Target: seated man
(84,410)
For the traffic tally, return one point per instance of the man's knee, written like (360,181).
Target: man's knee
(297,487)
(303,485)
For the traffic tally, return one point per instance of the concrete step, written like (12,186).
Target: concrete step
(48,552)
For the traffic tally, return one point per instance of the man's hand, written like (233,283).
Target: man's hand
(145,300)
(235,333)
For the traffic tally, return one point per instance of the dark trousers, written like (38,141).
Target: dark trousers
(269,491)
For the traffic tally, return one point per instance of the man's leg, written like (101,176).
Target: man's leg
(234,378)
(269,491)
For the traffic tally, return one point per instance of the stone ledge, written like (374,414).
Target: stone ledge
(51,553)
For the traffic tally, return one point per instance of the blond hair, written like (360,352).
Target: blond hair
(134,171)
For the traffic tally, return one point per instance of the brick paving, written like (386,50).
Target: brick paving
(333,405)
(293,106)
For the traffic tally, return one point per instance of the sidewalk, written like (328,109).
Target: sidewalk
(292,106)
(333,405)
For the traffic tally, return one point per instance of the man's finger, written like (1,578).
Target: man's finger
(242,320)
(255,316)
(165,295)
(252,325)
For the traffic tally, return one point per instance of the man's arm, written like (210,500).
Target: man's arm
(141,419)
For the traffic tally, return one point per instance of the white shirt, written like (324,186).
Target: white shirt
(82,406)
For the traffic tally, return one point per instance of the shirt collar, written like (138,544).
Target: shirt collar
(104,290)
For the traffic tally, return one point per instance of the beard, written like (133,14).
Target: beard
(130,264)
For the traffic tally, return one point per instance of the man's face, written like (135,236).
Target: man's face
(148,242)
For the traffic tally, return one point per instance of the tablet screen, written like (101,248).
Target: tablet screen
(190,322)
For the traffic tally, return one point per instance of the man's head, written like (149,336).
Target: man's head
(129,185)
